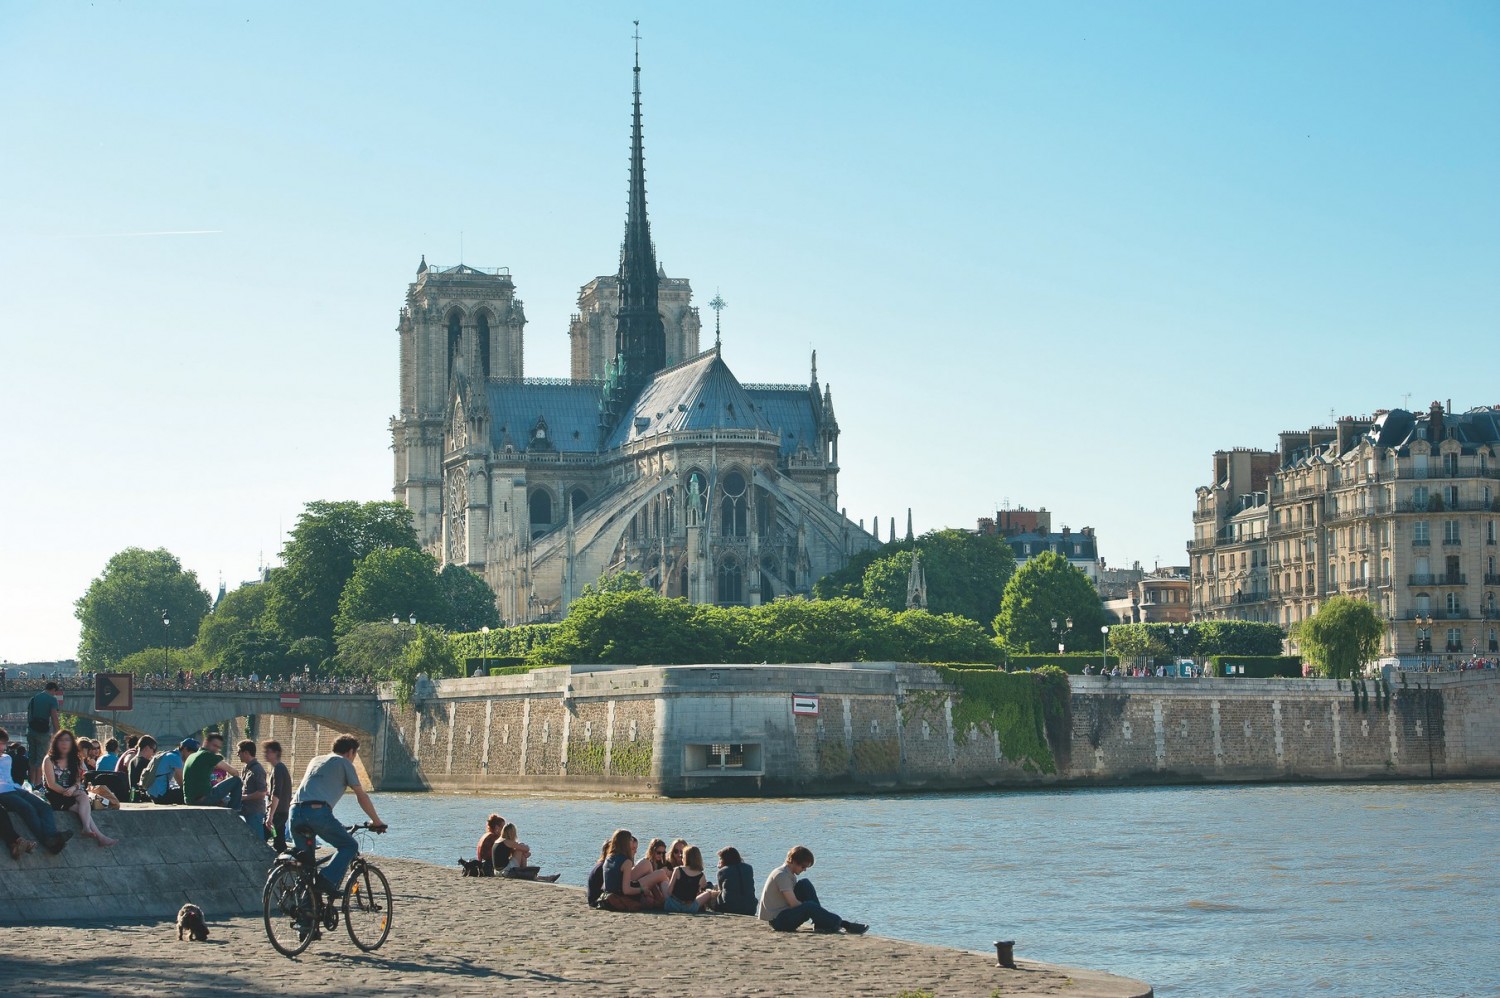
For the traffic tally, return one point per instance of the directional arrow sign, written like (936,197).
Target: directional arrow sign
(114,691)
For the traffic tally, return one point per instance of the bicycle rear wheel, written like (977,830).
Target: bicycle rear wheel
(289,908)
(367,907)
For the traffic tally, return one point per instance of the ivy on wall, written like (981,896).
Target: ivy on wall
(630,759)
(1022,708)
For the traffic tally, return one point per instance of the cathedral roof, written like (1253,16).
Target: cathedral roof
(789,411)
(697,394)
(570,411)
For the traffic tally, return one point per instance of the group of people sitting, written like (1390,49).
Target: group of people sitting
(672,879)
(501,853)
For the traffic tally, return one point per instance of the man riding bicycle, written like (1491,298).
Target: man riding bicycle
(324,783)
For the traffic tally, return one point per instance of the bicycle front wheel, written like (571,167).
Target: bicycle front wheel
(367,907)
(289,908)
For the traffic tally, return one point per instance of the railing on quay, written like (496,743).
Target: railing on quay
(200,683)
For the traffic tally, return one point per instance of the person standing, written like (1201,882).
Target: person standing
(323,786)
(41,723)
(787,902)
(280,805)
(253,790)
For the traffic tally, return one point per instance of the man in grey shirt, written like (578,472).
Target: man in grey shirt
(323,786)
(253,798)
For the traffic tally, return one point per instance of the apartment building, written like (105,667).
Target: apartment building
(1398,508)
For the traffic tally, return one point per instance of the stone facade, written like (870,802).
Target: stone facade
(1399,509)
(737,730)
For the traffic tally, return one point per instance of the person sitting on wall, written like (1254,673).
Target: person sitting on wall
(62,771)
(163,775)
(485,852)
(787,902)
(111,756)
(141,755)
(198,771)
(688,892)
(29,809)
(736,884)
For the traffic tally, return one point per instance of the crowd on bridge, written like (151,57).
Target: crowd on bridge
(202,682)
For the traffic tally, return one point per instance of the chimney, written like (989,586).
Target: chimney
(1435,423)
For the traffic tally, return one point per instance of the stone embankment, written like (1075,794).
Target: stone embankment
(166,856)
(453,936)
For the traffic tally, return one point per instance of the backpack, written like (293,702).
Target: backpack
(151,772)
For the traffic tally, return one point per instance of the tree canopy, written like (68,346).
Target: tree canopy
(468,601)
(328,542)
(1341,637)
(966,574)
(1045,589)
(399,582)
(121,612)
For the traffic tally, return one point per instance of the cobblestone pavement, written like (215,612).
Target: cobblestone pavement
(453,936)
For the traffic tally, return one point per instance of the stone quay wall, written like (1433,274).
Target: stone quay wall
(708,730)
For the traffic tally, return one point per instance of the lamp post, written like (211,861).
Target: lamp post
(412,620)
(166,643)
(1103,649)
(395,620)
(1061,632)
(484,650)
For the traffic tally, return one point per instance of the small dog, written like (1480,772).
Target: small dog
(190,922)
(474,868)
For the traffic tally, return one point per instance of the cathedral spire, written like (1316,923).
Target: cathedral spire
(640,340)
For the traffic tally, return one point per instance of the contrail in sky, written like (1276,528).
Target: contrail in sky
(169,232)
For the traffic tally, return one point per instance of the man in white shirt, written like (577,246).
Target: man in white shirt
(787,902)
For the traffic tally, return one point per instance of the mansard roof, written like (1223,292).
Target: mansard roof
(569,408)
(700,393)
(1399,429)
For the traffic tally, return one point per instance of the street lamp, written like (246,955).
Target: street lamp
(166,643)
(412,620)
(395,620)
(1103,648)
(484,650)
(1061,632)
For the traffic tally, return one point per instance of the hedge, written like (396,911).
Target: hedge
(1258,666)
(1071,662)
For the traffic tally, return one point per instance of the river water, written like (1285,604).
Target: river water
(1369,889)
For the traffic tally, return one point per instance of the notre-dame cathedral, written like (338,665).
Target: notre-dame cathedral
(652,457)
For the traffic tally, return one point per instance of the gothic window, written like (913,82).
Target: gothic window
(541,509)
(733,506)
(579,499)
(458,502)
(731,582)
(455,337)
(483,331)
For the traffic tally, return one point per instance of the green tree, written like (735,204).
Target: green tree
(329,540)
(121,612)
(929,637)
(617,582)
(1134,642)
(1045,589)
(239,638)
(468,602)
(392,581)
(1341,637)
(371,651)
(633,627)
(966,574)
(426,654)
(833,630)
(151,661)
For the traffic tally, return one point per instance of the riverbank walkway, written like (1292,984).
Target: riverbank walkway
(453,936)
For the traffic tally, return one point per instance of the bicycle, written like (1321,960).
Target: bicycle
(296,911)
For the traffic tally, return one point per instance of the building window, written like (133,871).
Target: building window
(731,582)
(1455,639)
(1489,531)
(1450,464)
(541,508)
(483,330)
(1450,532)
(1419,533)
(455,337)
(732,505)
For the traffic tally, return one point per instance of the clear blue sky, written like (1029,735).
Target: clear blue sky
(1055,253)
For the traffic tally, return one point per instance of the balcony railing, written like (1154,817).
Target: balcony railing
(1491,579)
(1452,542)
(1445,579)
(1461,613)
(1437,504)
(1421,542)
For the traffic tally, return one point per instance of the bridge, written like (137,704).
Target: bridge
(304,717)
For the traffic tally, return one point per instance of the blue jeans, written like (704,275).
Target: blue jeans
(677,907)
(226,793)
(791,920)
(35,812)
(320,821)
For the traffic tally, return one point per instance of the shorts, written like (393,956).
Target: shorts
(38,744)
(61,802)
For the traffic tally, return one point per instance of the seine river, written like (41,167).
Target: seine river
(1257,890)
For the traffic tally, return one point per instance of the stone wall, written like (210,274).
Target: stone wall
(166,857)
(713,730)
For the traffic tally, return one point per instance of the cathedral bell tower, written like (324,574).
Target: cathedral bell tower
(640,338)
(460,328)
